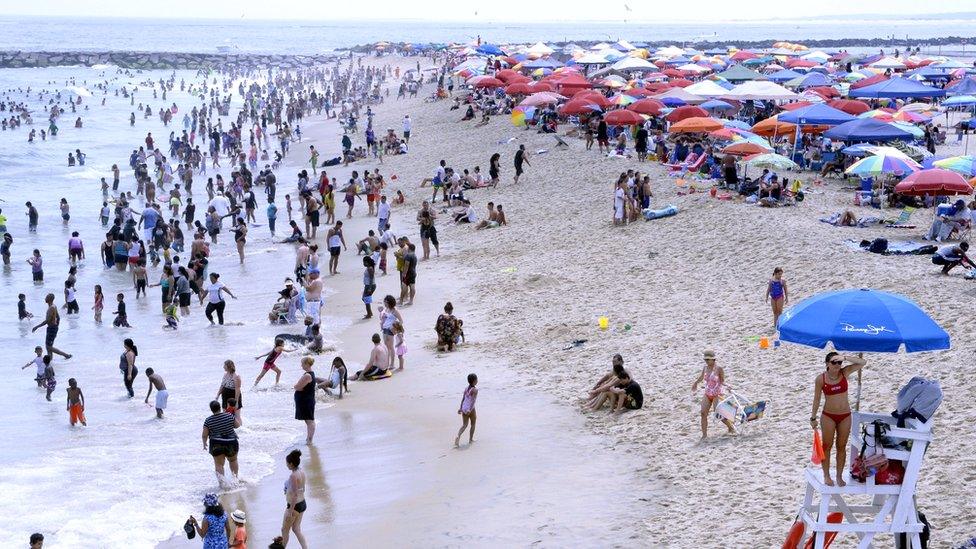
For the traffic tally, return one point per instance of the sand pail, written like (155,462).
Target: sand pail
(764,343)
(604,322)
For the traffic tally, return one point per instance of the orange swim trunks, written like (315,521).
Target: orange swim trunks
(76,413)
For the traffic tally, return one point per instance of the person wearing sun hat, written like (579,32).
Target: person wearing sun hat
(240,531)
(714,378)
(213,529)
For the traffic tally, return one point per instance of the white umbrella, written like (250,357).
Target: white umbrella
(759,89)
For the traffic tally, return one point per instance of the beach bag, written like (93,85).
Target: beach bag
(865,466)
(878,246)
(191,532)
(893,473)
(918,399)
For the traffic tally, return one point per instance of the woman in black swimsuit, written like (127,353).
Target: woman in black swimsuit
(305,398)
(240,236)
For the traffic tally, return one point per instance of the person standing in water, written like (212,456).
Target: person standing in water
(52,320)
(777,294)
(37,266)
(305,398)
(335,240)
(294,500)
(162,395)
(218,433)
(216,301)
(230,386)
(76,404)
(466,410)
(127,364)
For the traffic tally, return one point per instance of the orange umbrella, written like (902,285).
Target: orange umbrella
(745,148)
(696,124)
(771,126)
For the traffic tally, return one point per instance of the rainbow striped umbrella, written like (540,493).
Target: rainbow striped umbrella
(966,165)
(623,100)
(883,163)
(521,114)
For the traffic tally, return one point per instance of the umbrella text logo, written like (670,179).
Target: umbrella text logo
(869,329)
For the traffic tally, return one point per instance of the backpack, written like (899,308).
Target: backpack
(878,246)
(918,399)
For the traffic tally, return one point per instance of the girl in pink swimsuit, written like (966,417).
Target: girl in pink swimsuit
(466,410)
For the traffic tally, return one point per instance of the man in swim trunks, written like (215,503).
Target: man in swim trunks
(52,320)
(313,295)
(162,395)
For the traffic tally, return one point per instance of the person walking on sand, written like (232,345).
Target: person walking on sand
(467,411)
(714,378)
(777,294)
(52,320)
(76,403)
(294,500)
(269,361)
(305,398)
(835,419)
(389,314)
(520,159)
(162,395)
(214,530)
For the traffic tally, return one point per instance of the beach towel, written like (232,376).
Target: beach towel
(895,247)
(862,222)
(667,211)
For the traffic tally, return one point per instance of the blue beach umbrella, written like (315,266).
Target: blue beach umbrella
(862,321)
(715,105)
(960,101)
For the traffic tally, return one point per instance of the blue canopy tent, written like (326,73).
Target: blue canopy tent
(489,49)
(966,86)
(897,87)
(860,130)
(784,75)
(816,114)
(542,64)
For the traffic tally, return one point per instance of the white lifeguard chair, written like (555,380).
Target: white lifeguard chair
(890,509)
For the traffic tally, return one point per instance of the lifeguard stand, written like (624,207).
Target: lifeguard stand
(891,508)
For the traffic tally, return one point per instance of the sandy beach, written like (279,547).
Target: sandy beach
(683,284)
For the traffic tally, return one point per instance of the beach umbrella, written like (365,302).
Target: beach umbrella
(934,182)
(862,321)
(622,100)
(966,165)
(850,106)
(910,128)
(593,96)
(795,105)
(817,113)
(536,87)
(867,129)
(772,126)
(912,117)
(541,98)
(695,124)
(745,148)
(960,101)
(521,114)
(623,117)
(648,106)
(489,49)
(673,101)
(717,105)
(519,88)
(688,111)
(771,161)
(737,124)
(896,88)
(883,163)
(577,107)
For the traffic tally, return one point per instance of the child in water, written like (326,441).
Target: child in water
(49,382)
(172,316)
(99,303)
(38,362)
(76,403)
(121,320)
(466,410)
(22,311)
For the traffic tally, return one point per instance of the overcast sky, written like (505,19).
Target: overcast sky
(461,10)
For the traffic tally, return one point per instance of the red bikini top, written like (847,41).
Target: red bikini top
(835,388)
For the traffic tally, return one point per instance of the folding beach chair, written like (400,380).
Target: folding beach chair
(904,219)
(739,409)
(560,142)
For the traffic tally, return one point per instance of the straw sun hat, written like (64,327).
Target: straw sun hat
(709,354)
(239,517)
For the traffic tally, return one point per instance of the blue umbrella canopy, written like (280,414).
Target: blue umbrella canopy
(717,105)
(818,113)
(897,87)
(489,49)
(866,129)
(862,321)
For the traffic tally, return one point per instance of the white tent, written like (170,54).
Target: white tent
(691,67)
(818,56)
(680,93)
(541,49)
(600,46)
(627,46)
(670,51)
(706,88)
(592,59)
(633,64)
(888,63)
(759,89)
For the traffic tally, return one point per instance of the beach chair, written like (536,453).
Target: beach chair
(691,167)
(560,142)
(904,219)
(740,410)
(870,508)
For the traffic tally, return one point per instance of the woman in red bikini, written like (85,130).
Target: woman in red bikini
(835,419)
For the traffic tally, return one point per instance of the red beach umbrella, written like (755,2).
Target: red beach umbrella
(743,55)
(868,81)
(518,89)
(680,82)
(674,73)
(935,181)
(540,87)
(489,82)
(850,106)
(648,106)
(827,92)
(638,92)
(795,105)
(687,111)
(505,74)
(593,96)
(623,117)
(745,148)
(578,106)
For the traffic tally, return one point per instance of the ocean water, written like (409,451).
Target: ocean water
(112,484)
(296,37)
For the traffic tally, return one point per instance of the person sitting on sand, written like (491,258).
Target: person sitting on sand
(467,215)
(469,113)
(951,256)
(338,379)
(596,396)
(448,328)
(835,419)
(496,218)
(379,362)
